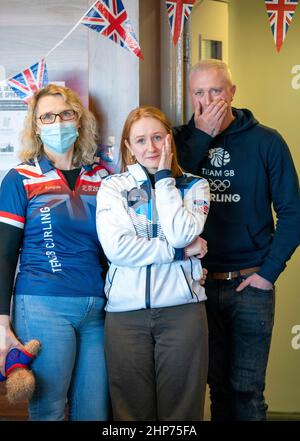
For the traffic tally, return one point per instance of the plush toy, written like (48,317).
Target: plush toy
(20,381)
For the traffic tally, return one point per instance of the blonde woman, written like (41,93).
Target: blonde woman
(149,219)
(47,217)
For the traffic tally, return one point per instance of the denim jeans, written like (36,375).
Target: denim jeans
(240,330)
(71,364)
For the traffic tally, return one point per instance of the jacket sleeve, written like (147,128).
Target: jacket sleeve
(118,237)
(192,146)
(182,218)
(284,187)
(13,203)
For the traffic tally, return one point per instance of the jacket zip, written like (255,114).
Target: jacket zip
(148,275)
(153,234)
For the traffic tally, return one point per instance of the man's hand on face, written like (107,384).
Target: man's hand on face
(210,120)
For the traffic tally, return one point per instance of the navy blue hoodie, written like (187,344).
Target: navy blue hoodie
(249,167)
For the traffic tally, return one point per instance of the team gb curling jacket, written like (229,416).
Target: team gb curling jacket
(143,232)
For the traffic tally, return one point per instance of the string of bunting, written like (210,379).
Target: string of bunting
(110,19)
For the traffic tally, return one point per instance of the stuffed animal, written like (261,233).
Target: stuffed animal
(20,381)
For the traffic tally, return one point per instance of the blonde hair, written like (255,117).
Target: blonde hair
(85,145)
(134,116)
(211,63)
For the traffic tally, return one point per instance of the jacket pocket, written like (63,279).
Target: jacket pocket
(185,281)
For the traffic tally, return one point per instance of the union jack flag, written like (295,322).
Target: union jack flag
(178,11)
(280,14)
(109,18)
(25,83)
(202,206)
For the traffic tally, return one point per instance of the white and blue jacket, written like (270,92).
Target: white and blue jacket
(143,232)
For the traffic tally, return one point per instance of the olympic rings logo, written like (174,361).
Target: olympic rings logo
(219,185)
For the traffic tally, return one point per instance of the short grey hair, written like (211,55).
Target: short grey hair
(211,63)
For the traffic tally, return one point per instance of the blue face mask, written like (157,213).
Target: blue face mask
(59,137)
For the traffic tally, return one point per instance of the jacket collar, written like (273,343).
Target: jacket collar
(45,165)
(138,172)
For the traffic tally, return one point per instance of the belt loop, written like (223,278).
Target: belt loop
(229,276)
(240,277)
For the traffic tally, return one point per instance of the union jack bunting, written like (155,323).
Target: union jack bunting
(25,83)
(109,18)
(178,12)
(280,14)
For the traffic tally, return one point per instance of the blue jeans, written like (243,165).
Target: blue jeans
(240,329)
(71,364)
